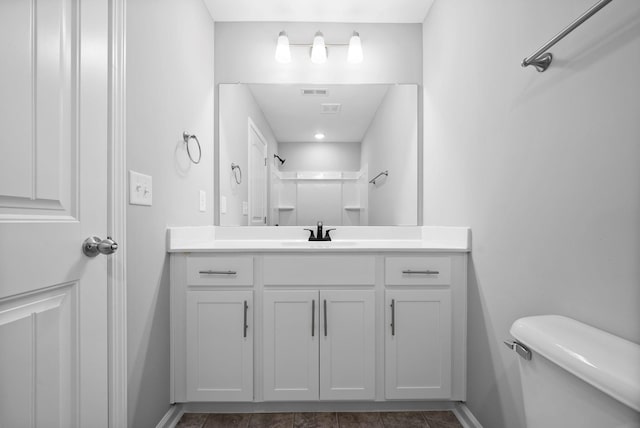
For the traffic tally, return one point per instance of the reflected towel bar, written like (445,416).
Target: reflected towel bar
(373,180)
(541,59)
(235,168)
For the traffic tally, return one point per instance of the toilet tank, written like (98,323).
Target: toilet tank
(578,376)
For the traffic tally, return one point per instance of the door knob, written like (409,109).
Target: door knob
(93,246)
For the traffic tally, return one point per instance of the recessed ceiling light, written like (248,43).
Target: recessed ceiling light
(319,136)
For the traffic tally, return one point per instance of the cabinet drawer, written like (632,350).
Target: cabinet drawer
(212,270)
(319,270)
(417,271)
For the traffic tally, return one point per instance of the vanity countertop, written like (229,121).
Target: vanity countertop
(294,239)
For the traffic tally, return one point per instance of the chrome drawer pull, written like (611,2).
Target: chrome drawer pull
(218,272)
(421,272)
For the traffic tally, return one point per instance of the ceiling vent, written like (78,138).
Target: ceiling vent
(330,108)
(315,92)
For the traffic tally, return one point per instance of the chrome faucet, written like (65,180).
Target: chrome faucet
(319,237)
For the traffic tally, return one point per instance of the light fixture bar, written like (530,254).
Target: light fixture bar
(307,45)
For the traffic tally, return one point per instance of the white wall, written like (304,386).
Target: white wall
(245,53)
(237,105)
(170,89)
(391,144)
(542,166)
(320,156)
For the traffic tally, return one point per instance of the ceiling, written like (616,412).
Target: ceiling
(294,117)
(364,11)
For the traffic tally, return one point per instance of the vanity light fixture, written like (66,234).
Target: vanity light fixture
(354,55)
(319,48)
(319,136)
(283,53)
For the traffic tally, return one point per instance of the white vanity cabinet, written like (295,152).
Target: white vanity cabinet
(212,328)
(281,325)
(418,344)
(319,345)
(418,331)
(219,345)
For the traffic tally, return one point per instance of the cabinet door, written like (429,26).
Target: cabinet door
(291,345)
(347,345)
(220,346)
(418,344)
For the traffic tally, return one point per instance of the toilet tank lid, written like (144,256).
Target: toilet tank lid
(608,362)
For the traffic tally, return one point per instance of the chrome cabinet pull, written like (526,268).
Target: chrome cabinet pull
(218,272)
(393,317)
(325,317)
(420,272)
(313,318)
(245,325)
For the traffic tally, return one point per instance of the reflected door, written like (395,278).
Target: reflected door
(257,177)
(53,169)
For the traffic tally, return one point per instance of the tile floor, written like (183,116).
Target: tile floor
(432,419)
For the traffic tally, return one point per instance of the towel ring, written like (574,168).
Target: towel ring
(235,176)
(186,137)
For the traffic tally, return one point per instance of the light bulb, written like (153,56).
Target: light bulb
(319,136)
(283,53)
(354,55)
(318,50)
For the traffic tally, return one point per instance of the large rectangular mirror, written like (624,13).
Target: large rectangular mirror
(292,155)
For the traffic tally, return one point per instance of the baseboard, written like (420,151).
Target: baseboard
(317,406)
(465,416)
(172,417)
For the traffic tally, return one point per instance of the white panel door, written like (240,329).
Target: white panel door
(418,344)
(257,177)
(220,346)
(347,345)
(53,195)
(290,345)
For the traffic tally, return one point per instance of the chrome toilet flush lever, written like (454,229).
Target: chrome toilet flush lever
(520,349)
(319,237)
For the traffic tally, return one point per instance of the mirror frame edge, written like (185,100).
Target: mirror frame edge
(419,158)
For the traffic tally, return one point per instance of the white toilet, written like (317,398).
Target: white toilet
(577,376)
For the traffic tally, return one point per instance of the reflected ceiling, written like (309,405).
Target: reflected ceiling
(295,118)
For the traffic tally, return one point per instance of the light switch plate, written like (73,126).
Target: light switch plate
(140,189)
(203,201)
(245,208)
(223,204)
